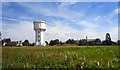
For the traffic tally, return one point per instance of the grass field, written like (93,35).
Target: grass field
(60,57)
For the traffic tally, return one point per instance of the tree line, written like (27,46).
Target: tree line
(13,43)
(82,42)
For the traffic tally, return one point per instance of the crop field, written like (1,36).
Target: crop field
(61,57)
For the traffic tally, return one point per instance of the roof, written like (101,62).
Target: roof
(39,22)
(99,43)
(91,40)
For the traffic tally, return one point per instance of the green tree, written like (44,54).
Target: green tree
(93,42)
(97,40)
(32,44)
(81,42)
(56,42)
(51,43)
(68,41)
(46,42)
(26,43)
(107,40)
(71,41)
(87,43)
(61,43)
(8,40)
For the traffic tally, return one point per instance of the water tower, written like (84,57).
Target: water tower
(39,27)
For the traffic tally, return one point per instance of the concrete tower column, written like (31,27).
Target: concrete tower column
(39,27)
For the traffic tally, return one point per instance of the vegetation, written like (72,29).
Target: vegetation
(61,57)
(46,42)
(26,43)
(83,42)
(8,40)
(97,40)
(54,42)
(71,41)
(118,42)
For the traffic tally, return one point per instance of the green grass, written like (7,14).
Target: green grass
(61,57)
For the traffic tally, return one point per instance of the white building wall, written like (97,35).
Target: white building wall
(42,38)
(39,27)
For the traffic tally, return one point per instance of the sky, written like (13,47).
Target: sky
(74,20)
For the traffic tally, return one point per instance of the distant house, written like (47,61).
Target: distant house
(13,43)
(88,40)
(93,40)
(19,43)
(5,43)
(100,43)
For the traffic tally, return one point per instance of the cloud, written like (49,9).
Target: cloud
(100,6)
(65,32)
(24,30)
(87,25)
(97,18)
(117,10)
(89,6)
(60,0)
(20,31)
(62,12)
(114,33)
(66,4)
(61,29)
(11,19)
(25,18)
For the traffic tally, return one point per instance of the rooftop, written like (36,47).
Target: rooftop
(39,22)
(90,40)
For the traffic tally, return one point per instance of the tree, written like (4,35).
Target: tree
(81,42)
(26,43)
(68,41)
(92,42)
(32,44)
(61,43)
(46,42)
(8,42)
(104,42)
(87,43)
(108,39)
(51,43)
(97,40)
(71,41)
(56,42)
(3,41)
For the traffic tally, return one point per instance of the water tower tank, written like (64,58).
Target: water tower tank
(39,27)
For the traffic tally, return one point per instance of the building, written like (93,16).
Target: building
(39,27)
(88,40)
(94,40)
(13,43)
(19,43)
